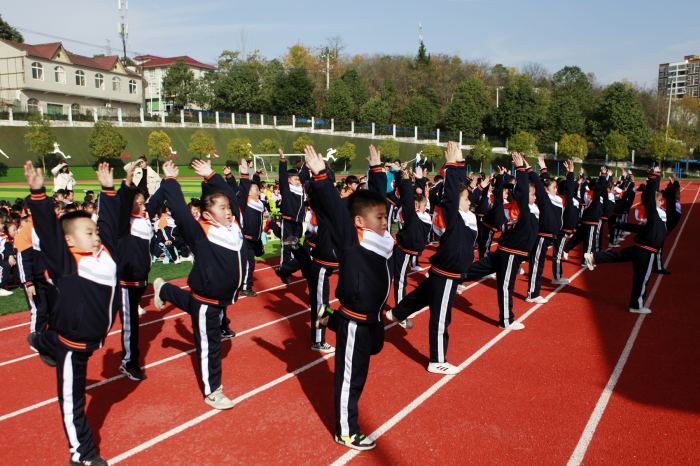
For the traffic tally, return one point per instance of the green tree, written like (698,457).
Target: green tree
(662,148)
(423,57)
(158,146)
(346,154)
(616,146)
(337,102)
(358,89)
(570,81)
(204,93)
(7,32)
(293,94)
(240,147)
(202,144)
(376,111)
(391,96)
(619,110)
(39,137)
(517,109)
(573,145)
(433,153)
(106,141)
(303,141)
(564,117)
(420,112)
(524,143)
(469,107)
(273,71)
(178,83)
(482,151)
(389,149)
(500,74)
(238,89)
(268,146)
(432,95)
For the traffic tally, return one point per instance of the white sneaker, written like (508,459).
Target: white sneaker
(641,310)
(416,268)
(538,300)
(444,368)
(4,292)
(613,245)
(157,285)
(177,261)
(492,276)
(407,324)
(626,233)
(461,288)
(142,311)
(189,258)
(566,256)
(218,400)
(513,326)
(521,271)
(590,261)
(561,281)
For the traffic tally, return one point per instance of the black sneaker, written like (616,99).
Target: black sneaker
(248,293)
(292,242)
(134,373)
(356,442)
(663,272)
(45,358)
(94,460)
(284,279)
(227,333)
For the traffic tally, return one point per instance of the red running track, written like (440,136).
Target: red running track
(523,397)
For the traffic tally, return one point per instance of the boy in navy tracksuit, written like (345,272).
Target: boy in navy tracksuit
(364,250)
(646,245)
(551,213)
(253,211)
(82,266)
(513,248)
(449,264)
(590,218)
(672,197)
(134,246)
(567,193)
(606,212)
(217,274)
(293,210)
(413,235)
(494,219)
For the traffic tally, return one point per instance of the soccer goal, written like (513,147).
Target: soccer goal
(265,161)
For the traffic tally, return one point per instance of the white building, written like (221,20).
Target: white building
(680,78)
(154,70)
(48,77)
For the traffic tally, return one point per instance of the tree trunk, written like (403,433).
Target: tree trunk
(43,165)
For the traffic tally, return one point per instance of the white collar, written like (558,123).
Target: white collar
(381,245)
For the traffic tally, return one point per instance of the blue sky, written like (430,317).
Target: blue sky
(613,39)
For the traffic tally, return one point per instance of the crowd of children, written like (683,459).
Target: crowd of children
(484,226)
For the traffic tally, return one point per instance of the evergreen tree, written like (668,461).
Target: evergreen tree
(375,111)
(7,32)
(572,82)
(273,71)
(432,95)
(619,110)
(237,90)
(293,94)
(179,83)
(358,89)
(517,109)
(469,107)
(420,112)
(423,58)
(337,102)
(564,117)
(391,96)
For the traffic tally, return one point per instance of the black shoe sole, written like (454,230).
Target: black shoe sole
(129,375)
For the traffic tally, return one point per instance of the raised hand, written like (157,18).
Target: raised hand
(374,156)
(105,175)
(226,170)
(130,167)
(170,170)
(314,161)
(404,174)
(243,167)
(202,168)
(604,170)
(453,153)
(419,172)
(540,162)
(517,159)
(34,177)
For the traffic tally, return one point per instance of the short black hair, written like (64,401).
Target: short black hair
(352,179)
(438,178)
(363,200)
(62,192)
(68,219)
(292,172)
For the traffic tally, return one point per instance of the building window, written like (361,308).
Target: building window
(75,109)
(54,109)
(100,81)
(32,106)
(37,71)
(132,87)
(152,73)
(80,78)
(116,84)
(59,75)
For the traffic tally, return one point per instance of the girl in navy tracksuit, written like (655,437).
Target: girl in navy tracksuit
(590,218)
(672,197)
(606,212)
(253,211)
(646,245)
(567,193)
(217,275)
(293,210)
(494,219)
(88,299)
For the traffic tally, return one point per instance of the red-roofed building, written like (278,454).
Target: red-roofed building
(48,77)
(154,70)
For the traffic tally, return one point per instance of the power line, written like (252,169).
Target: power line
(63,39)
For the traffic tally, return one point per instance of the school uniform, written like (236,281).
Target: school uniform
(493,220)
(293,209)
(570,220)
(6,250)
(216,276)
(621,207)
(449,265)
(673,218)
(606,214)
(550,220)
(87,303)
(590,219)
(647,244)
(134,249)
(364,282)
(253,212)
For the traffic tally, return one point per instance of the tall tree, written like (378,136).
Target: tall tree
(204,94)
(293,94)
(420,112)
(468,108)
(517,109)
(572,82)
(39,137)
(375,111)
(7,32)
(391,96)
(564,117)
(106,141)
(273,71)
(619,110)
(432,95)
(237,90)
(357,87)
(337,102)
(179,83)
(423,57)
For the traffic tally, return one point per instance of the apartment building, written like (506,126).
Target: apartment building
(47,77)
(154,70)
(680,78)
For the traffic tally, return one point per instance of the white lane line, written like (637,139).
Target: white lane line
(445,378)
(19,359)
(14,326)
(589,430)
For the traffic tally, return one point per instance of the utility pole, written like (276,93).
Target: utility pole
(327,55)
(670,96)
(122,26)
(420,33)
(109,48)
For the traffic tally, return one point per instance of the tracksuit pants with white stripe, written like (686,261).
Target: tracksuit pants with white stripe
(558,253)
(643,263)
(129,315)
(319,293)
(485,239)
(206,326)
(585,234)
(506,266)
(599,234)
(355,344)
(439,293)
(41,304)
(250,265)
(71,375)
(538,257)
(402,264)
(288,229)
